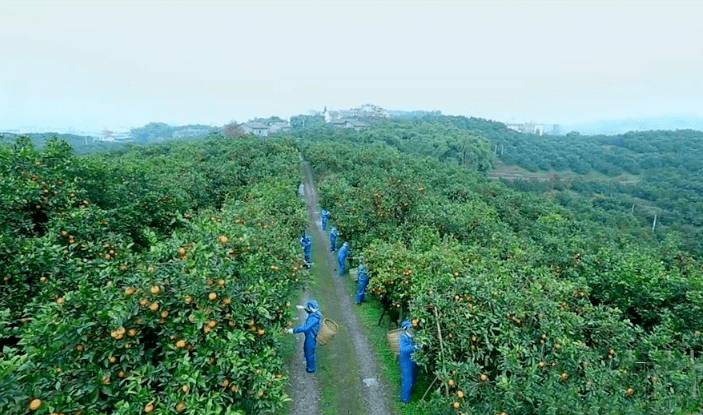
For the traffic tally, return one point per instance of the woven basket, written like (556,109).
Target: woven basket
(393,340)
(328,329)
(354,274)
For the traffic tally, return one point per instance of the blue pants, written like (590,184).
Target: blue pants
(324,223)
(361,289)
(309,349)
(333,243)
(307,255)
(341,265)
(408,373)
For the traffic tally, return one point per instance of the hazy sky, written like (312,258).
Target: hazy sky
(91,65)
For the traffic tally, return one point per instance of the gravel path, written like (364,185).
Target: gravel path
(373,389)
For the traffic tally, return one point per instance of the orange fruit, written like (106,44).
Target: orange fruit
(155,289)
(181,344)
(154,306)
(185,388)
(212,296)
(149,408)
(35,404)
(189,299)
(223,239)
(483,377)
(130,290)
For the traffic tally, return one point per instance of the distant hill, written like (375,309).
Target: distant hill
(621,126)
(152,132)
(412,114)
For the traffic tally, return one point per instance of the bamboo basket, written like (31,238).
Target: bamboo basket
(328,329)
(393,340)
(354,274)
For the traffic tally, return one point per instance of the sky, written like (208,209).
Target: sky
(100,64)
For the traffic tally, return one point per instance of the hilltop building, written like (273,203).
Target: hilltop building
(255,128)
(366,112)
(528,128)
(357,125)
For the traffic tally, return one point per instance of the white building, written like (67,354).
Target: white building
(255,128)
(528,128)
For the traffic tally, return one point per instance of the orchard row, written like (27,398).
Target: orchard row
(150,281)
(524,306)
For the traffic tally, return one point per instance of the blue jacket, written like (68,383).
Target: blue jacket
(342,254)
(311,325)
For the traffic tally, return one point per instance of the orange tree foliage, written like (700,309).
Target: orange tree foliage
(153,280)
(522,306)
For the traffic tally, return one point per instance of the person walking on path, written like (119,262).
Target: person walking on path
(310,328)
(325,214)
(408,367)
(342,256)
(333,239)
(362,279)
(306,243)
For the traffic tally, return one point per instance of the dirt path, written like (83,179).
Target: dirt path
(347,367)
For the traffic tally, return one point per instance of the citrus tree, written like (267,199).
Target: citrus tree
(136,293)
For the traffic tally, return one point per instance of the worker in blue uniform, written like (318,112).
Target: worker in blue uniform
(310,328)
(324,215)
(408,367)
(306,243)
(342,256)
(362,273)
(333,239)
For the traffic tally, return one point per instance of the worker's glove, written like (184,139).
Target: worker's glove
(290,331)
(300,307)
